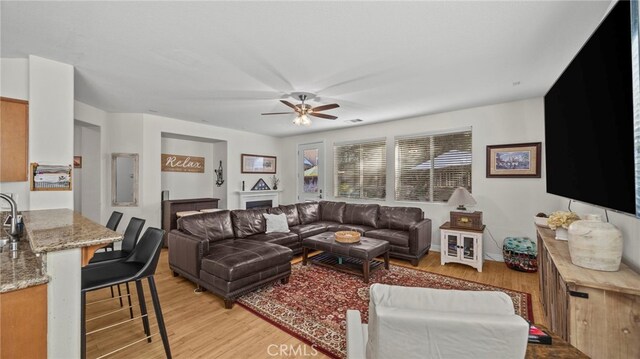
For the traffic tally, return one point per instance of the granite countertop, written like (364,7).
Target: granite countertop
(52,230)
(46,231)
(19,269)
(25,270)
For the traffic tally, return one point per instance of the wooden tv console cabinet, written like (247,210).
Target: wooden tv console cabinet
(597,312)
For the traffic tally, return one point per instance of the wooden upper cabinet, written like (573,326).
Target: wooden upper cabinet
(14,140)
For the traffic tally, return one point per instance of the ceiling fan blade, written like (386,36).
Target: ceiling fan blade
(278,113)
(325,107)
(290,104)
(322,115)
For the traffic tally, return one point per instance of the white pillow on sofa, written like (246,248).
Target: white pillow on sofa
(276,223)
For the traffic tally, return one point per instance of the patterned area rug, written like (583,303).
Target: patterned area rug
(313,305)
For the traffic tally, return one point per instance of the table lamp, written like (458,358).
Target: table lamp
(461,197)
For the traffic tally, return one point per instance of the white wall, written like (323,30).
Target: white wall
(14,76)
(237,142)
(142,134)
(50,124)
(87,180)
(124,135)
(508,205)
(182,185)
(220,154)
(97,118)
(14,83)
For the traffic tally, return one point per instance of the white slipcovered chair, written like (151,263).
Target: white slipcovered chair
(434,323)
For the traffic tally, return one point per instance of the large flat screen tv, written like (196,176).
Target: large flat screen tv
(589,124)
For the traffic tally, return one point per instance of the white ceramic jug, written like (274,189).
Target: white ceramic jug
(595,245)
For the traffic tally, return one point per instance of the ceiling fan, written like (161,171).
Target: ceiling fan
(305,110)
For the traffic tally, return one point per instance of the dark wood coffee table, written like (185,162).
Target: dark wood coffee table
(355,258)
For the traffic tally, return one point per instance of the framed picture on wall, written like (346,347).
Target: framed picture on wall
(257,163)
(514,160)
(77,161)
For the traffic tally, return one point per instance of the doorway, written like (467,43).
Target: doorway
(311,171)
(87,172)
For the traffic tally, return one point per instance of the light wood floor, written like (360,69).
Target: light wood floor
(200,327)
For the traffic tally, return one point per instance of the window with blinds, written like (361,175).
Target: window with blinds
(360,170)
(430,167)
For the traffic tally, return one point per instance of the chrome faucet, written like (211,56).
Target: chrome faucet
(14,216)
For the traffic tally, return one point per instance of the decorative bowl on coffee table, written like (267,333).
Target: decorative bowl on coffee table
(347,236)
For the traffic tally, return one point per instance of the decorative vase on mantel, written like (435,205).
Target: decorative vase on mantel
(562,234)
(595,245)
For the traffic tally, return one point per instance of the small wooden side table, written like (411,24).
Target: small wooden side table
(461,245)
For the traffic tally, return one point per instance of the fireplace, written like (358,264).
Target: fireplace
(258,199)
(259,204)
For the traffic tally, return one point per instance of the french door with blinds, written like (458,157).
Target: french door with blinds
(430,167)
(310,171)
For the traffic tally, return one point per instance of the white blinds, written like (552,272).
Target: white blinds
(429,168)
(360,170)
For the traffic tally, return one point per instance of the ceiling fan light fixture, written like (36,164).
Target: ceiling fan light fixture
(303,110)
(302,120)
(305,120)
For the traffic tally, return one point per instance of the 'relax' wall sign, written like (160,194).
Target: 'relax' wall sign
(179,163)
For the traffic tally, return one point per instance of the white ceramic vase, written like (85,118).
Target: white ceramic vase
(562,234)
(595,245)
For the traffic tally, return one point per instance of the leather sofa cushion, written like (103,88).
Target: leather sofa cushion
(247,222)
(308,212)
(393,236)
(290,210)
(281,238)
(332,211)
(401,218)
(308,230)
(232,260)
(213,226)
(349,227)
(365,214)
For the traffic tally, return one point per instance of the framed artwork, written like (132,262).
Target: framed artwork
(518,160)
(77,161)
(257,164)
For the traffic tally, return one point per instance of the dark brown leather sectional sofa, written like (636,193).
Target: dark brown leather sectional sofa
(229,253)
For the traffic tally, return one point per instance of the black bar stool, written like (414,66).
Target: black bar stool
(129,241)
(112,224)
(141,263)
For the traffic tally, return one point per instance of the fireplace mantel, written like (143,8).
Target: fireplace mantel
(264,195)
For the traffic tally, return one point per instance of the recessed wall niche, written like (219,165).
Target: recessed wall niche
(185,151)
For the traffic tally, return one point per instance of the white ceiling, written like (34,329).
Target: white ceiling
(227,62)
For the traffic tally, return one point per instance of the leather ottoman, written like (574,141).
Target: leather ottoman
(234,267)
